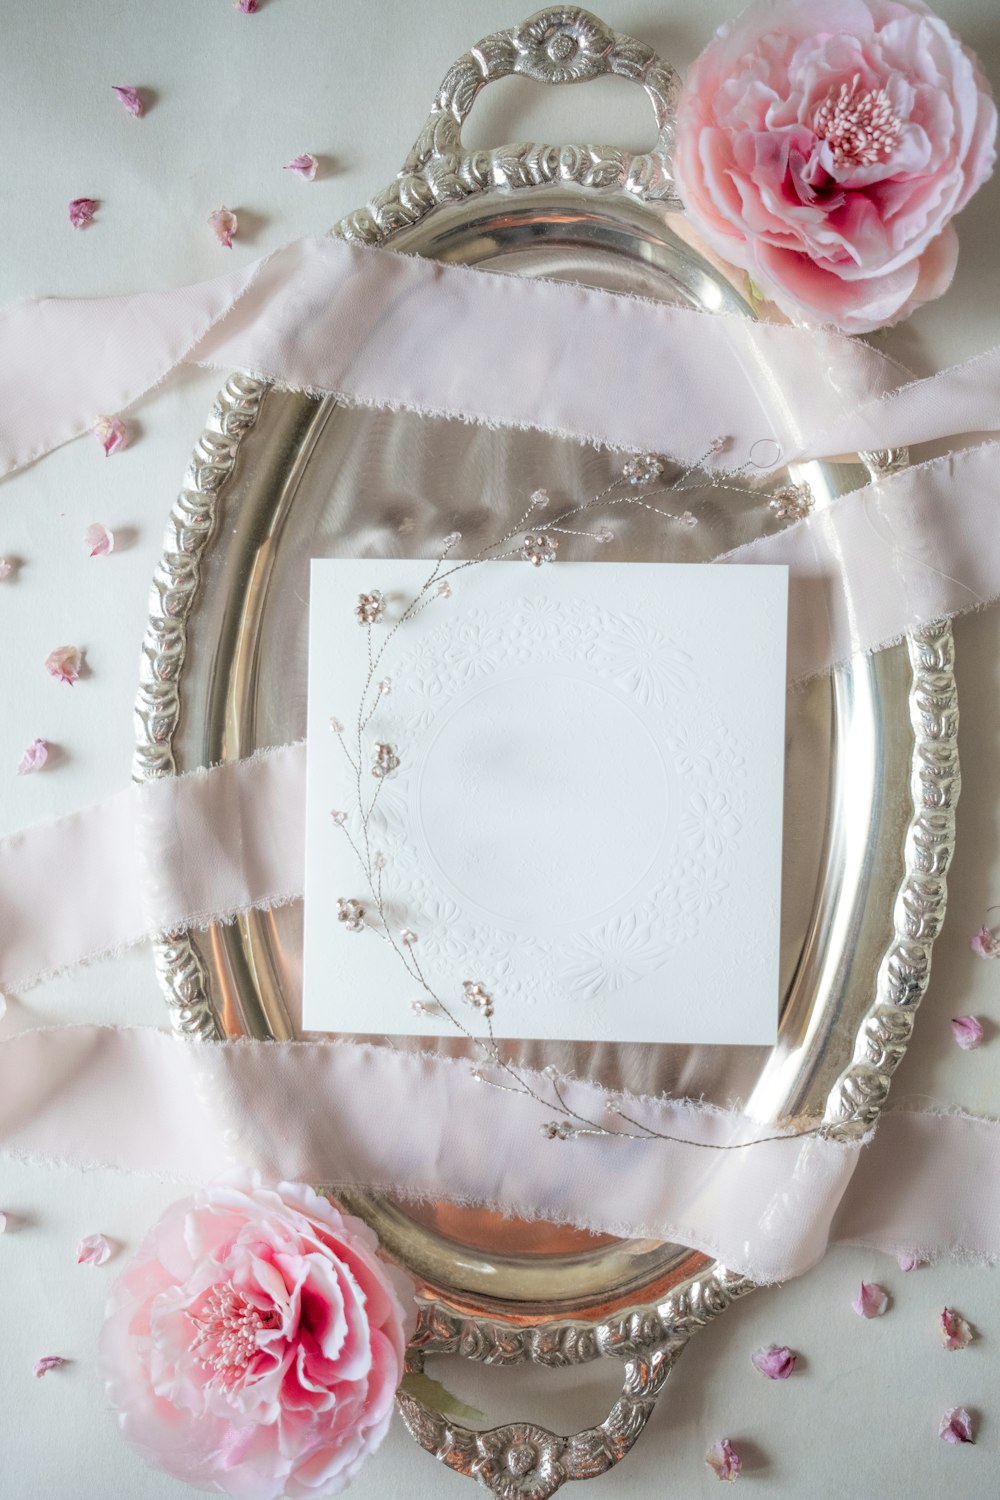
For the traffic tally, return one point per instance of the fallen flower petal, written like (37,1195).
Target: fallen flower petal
(956,1426)
(98,540)
(246,7)
(6,568)
(305,165)
(110,433)
(130,98)
(3,1223)
(64,664)
(723,1459)
(956,1333)
(985,943)
(777,1361)
(871,1301)
(47,1363)
(967,1032)
(224,225)
(907,1261)
(93,1250)
(33,758)
(81,212)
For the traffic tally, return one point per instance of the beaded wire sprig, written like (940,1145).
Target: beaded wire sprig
(636,487)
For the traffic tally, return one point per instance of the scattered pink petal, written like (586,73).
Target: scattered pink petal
(305,165)
(246,7)
(81,212)
(985,943)
(3,1223)
(93,1250)
(98,540)
(130,98)
(871,1301)
(967,1032)
(723,1459)
(956,1426)
(6,569)
(64,664)
(47,1363)
(224,225)
(956,1333)
(776,1361)
(33,758)
(907,1261)
(110,433)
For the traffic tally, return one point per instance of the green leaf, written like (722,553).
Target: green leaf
(433,1394)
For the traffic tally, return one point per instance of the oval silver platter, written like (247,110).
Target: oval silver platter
(871,776)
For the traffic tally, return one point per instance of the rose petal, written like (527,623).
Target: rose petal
(723,1459)
(110,433)
(64,664)
(956,1426)
(956,1333)
(777,1361)
(6,568)
(246,7)
(93,1250)
(967,1032)
(871,1301)
(985,943)
(224,225)
(33,758)
(81,212)
(907,1261)
(305,165)
(48,1362)
(98,540)
(3,1223)
(130,98)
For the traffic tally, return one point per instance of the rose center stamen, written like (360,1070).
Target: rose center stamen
(228,1328)
(859,125)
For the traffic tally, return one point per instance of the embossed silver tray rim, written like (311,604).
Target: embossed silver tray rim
(562,44)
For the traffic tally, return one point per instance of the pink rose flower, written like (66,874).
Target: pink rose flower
(254,1344)
(824,145)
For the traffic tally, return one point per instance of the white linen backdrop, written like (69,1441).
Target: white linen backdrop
(232,98)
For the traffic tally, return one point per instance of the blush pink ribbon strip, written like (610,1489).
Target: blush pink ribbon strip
(306,1111)
(396,331)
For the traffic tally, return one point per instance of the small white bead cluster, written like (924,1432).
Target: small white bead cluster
(539,548)
(478,997)
(369,608)
(351,913)
(387,762)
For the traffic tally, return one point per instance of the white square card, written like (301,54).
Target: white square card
(586,817)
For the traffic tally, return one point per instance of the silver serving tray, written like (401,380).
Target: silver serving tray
(872,768)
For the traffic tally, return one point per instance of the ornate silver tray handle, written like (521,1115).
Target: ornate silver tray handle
(848,1010)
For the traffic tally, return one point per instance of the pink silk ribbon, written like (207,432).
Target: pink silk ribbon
(925,1183)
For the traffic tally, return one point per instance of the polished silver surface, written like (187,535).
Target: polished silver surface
(871,770)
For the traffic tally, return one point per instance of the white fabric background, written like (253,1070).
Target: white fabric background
(232,99)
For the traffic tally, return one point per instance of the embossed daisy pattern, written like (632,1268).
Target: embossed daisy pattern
(617,954)
(644,662)
(710,823)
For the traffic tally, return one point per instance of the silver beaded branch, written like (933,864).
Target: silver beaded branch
(635,488)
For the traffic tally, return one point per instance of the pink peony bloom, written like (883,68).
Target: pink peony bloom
(64,664)
(82,211)
(871,1301)
(724,1461)
(255,1343)
(129,98)
(776,1361)
(110,433)
(33,758)
(956,1426)
(824,146)
(956,1333)
(967,1031)
(985,944)
(223,224)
